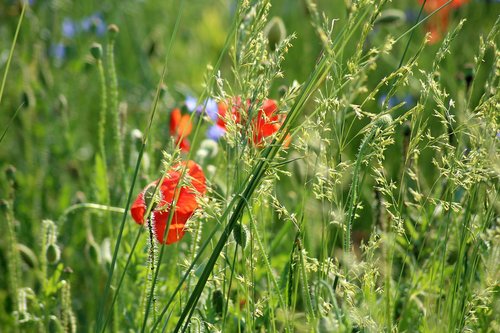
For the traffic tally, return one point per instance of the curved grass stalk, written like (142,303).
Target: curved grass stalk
(7,66)
(11,52)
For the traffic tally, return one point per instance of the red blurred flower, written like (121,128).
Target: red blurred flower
(180,128)
(184,209)
(438,24)
(267,121)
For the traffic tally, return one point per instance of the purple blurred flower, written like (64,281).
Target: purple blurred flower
(215,132)
(58,51)
(190,103)
(394,100)
(94,23)
(69,28)
(211,108)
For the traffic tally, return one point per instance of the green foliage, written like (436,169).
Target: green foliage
(374,206)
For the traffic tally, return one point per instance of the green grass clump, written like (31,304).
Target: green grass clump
(352,187)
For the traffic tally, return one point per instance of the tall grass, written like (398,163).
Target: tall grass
(373,208)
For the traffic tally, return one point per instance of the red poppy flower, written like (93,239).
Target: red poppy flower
(267,121)
(438,24)
(180,128)
(184,209)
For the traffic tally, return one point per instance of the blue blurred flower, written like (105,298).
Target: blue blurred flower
(394,100)
(94,23)
(409,101)
(58,51)
(69,28)
(190,103)
(215,132)
(211,107)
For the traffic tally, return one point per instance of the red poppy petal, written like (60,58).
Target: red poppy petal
(176,230)
(185,145)
(197,177)
(138,209)
(186,203)
(270,107)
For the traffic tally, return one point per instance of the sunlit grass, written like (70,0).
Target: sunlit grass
(351,166)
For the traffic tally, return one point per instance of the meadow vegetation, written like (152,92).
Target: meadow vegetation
(250,166)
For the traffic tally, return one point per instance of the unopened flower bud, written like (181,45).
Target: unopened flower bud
(391,17)
(218,301)
(93,252)
(275,32)
(27,255)
(52,253)
(137,138)
(113,31)
(10,173)
(96,51)
(240,234)
(383,122)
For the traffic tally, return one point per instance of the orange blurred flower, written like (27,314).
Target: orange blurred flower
(180,128)
(438,24)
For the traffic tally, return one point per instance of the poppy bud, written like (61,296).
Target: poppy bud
(275,32)
(96,51)
(468,74)
(383,122)
(52,253)
(391,16)
(163,91)
(406,129)
(113,31)
(79,197)
(93,252)
(27,255)
(28,99)
(240,234)
(10,173)
(282,90)
(210,146)
(218,301)
(106,255)
(137,138)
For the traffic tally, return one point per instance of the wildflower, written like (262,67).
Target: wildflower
(210,106)
(58,51)
(408,100)
(215,132)
(95,24)
(69,28)
(267,121)
(170,187)
(180,128)
(439,23)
